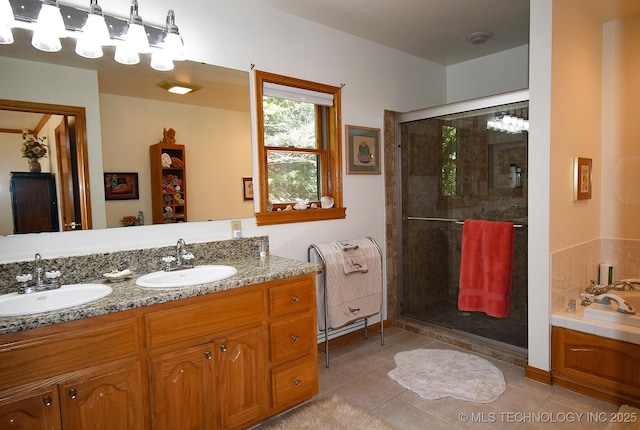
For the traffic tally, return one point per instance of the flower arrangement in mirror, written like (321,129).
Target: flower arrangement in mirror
(33,149)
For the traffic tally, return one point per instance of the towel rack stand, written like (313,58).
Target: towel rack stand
(324,290)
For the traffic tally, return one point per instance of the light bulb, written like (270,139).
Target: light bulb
(161,60)
(136,36)
(126,55)
(7,22)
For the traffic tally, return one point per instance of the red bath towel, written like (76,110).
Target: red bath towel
(486,262)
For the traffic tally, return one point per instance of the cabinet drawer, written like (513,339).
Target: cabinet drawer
(291,337)
(65,351)
(218,312)
(295,383)
(292,297)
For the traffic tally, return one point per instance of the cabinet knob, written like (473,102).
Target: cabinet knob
(295,298)
(47,401)
(207,354)
(294,337)
(223,347)
(297,382)
(73,393)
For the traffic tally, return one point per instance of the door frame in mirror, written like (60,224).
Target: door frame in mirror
(82,159)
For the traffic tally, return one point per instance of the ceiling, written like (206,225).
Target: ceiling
(435,30)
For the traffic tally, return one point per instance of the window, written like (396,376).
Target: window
(299,148)
(449,172)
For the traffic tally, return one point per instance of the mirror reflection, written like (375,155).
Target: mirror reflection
(125,112)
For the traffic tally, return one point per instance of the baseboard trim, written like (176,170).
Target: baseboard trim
(539,375)
(354,336)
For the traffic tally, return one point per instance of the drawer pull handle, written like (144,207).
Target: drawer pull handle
(207,354)
(294,337)
(295,298)
(73,393)
(297,382)
(47,401)
(223,347)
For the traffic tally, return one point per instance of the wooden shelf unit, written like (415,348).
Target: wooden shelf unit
(168,184)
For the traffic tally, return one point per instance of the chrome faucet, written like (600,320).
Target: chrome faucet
(43,280)
(623,284)
(181,260)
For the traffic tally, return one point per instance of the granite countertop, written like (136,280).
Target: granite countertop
(127,295)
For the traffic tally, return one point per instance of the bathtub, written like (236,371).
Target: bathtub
(610,312)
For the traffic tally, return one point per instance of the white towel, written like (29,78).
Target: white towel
(353,295)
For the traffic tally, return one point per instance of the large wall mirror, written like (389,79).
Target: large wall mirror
(122,111)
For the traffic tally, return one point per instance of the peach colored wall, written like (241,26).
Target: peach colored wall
(575,124)
(621,129)
(218,145)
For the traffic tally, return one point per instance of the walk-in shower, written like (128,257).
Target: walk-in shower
(461,161)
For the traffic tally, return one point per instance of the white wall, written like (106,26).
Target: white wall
(493,74)
(237,34)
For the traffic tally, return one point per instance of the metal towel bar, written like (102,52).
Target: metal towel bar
(456,221)
(324,289)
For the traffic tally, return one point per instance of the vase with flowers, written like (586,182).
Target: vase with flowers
(33,149)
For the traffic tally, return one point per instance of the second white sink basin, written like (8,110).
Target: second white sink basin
(187,277)
(66,296)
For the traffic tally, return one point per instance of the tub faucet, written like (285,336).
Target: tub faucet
(623,306)
(623,284)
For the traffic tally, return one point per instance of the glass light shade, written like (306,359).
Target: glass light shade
(174,46)
(161,60)
(6,35)
(137,39)
(125,55)
(49,29)
(6,16)
(94,36)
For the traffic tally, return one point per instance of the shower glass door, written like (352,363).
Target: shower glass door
(458,162)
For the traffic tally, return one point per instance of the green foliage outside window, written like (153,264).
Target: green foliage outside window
(449,174)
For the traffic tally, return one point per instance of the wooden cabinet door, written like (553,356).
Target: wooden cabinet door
(109,400)
(242,374)
(183,390)
(35,410)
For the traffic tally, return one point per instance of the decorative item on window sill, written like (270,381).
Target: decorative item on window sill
(511,124)
(33,150)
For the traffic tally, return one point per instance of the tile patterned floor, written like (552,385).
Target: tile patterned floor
(358,373)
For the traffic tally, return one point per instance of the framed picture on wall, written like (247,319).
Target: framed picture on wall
(247,188)
(121,186)
(582,178)
(363,150)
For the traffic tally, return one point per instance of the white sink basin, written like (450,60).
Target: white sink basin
(610,312)
(187,277)
(66,296)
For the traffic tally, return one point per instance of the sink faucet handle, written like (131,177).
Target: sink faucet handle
(188,257)
(25,277)
(54,274)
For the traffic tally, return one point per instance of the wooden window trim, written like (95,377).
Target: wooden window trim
(334,153)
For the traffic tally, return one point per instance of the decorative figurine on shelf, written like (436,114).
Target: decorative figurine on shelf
(169,136)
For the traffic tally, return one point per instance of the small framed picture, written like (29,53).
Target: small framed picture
(581,178)
(121,186)
(363,150)
(247,188)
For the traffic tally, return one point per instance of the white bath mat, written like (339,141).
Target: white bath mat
(438,373)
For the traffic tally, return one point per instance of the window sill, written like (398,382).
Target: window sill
(307,215)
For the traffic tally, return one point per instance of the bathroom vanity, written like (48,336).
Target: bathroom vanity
(225,355)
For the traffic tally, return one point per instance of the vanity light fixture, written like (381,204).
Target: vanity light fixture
(177,87)
(7,22)
(511,124)
(95,34)
(49,28)
(135,40)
